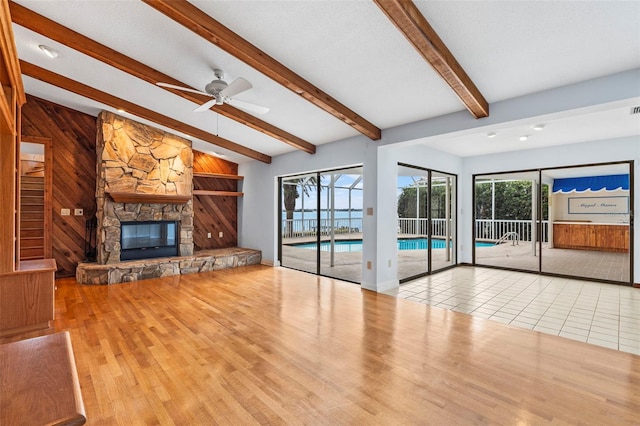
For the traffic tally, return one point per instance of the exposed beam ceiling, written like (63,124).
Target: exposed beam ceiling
(38,23)
(202,24)
(65,83)
(413,25)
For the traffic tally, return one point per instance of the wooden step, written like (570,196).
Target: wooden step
(32,192)
(31,207)
(31,233)
(33,179)
(32,216)
(31,243)
(31,224)
(32,253)
(32,201)
(31,185)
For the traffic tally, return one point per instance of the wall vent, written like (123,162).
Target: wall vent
(635,110)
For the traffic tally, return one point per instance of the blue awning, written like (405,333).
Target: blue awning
(591,183)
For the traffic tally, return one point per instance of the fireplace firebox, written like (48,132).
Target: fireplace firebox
(149,239)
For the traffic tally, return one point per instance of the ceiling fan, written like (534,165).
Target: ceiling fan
(221,92)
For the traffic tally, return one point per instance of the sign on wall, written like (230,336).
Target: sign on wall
(599,205)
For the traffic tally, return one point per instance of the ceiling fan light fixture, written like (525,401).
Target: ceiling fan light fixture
(49,51)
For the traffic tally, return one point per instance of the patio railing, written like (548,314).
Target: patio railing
(309,227)
(493,230)
(485,229)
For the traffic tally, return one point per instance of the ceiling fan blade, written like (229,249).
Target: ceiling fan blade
(185,89)
(238,85)
(205,106)
(259,109)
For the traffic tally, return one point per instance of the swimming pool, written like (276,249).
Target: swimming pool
(350,246)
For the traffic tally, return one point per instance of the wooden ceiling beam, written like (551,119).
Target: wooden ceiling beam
(211,30)
(78,88)
(51,29)
(413,25)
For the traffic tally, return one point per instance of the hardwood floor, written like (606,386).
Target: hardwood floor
(277,346)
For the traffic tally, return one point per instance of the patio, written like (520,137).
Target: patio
(580,263)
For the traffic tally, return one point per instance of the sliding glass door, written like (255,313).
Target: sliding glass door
(341,224)
(321,223)
(572,221)
(506,220)
(443,224)
(299,222)
(589,215)
(426,221)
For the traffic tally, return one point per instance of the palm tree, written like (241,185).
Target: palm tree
(290,193)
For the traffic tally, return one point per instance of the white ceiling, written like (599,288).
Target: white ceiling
(350,50)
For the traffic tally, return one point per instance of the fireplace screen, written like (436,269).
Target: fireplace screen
(143,240)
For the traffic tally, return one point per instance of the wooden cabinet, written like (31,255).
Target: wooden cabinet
(27,297)
(597,237)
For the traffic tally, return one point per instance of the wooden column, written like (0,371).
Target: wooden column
(12,97)
(7,192)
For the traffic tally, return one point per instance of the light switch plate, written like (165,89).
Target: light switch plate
(78,212)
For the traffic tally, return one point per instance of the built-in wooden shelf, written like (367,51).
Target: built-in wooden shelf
(218,193)
(217,176)
(128,197)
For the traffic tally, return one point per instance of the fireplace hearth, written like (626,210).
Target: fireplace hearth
(149,239)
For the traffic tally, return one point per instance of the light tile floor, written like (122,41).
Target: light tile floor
(601,314)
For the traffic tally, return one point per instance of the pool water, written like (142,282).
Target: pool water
(349,246)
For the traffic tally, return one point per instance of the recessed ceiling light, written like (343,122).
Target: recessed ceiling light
(492,135)
(49,51)
(121,110)
(538,127)
(524,137)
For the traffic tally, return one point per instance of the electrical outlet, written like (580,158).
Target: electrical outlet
(78,212)
(220,234)
(65,212)
(208,234)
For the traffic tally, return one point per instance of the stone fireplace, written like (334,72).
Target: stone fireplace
(143,175)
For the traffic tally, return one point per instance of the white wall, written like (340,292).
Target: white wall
(560,206)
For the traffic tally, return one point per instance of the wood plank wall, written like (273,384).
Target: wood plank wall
(214,214)
(73,136)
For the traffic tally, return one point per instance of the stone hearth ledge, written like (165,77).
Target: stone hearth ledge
(135,270)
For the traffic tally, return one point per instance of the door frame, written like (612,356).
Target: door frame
(48,189)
